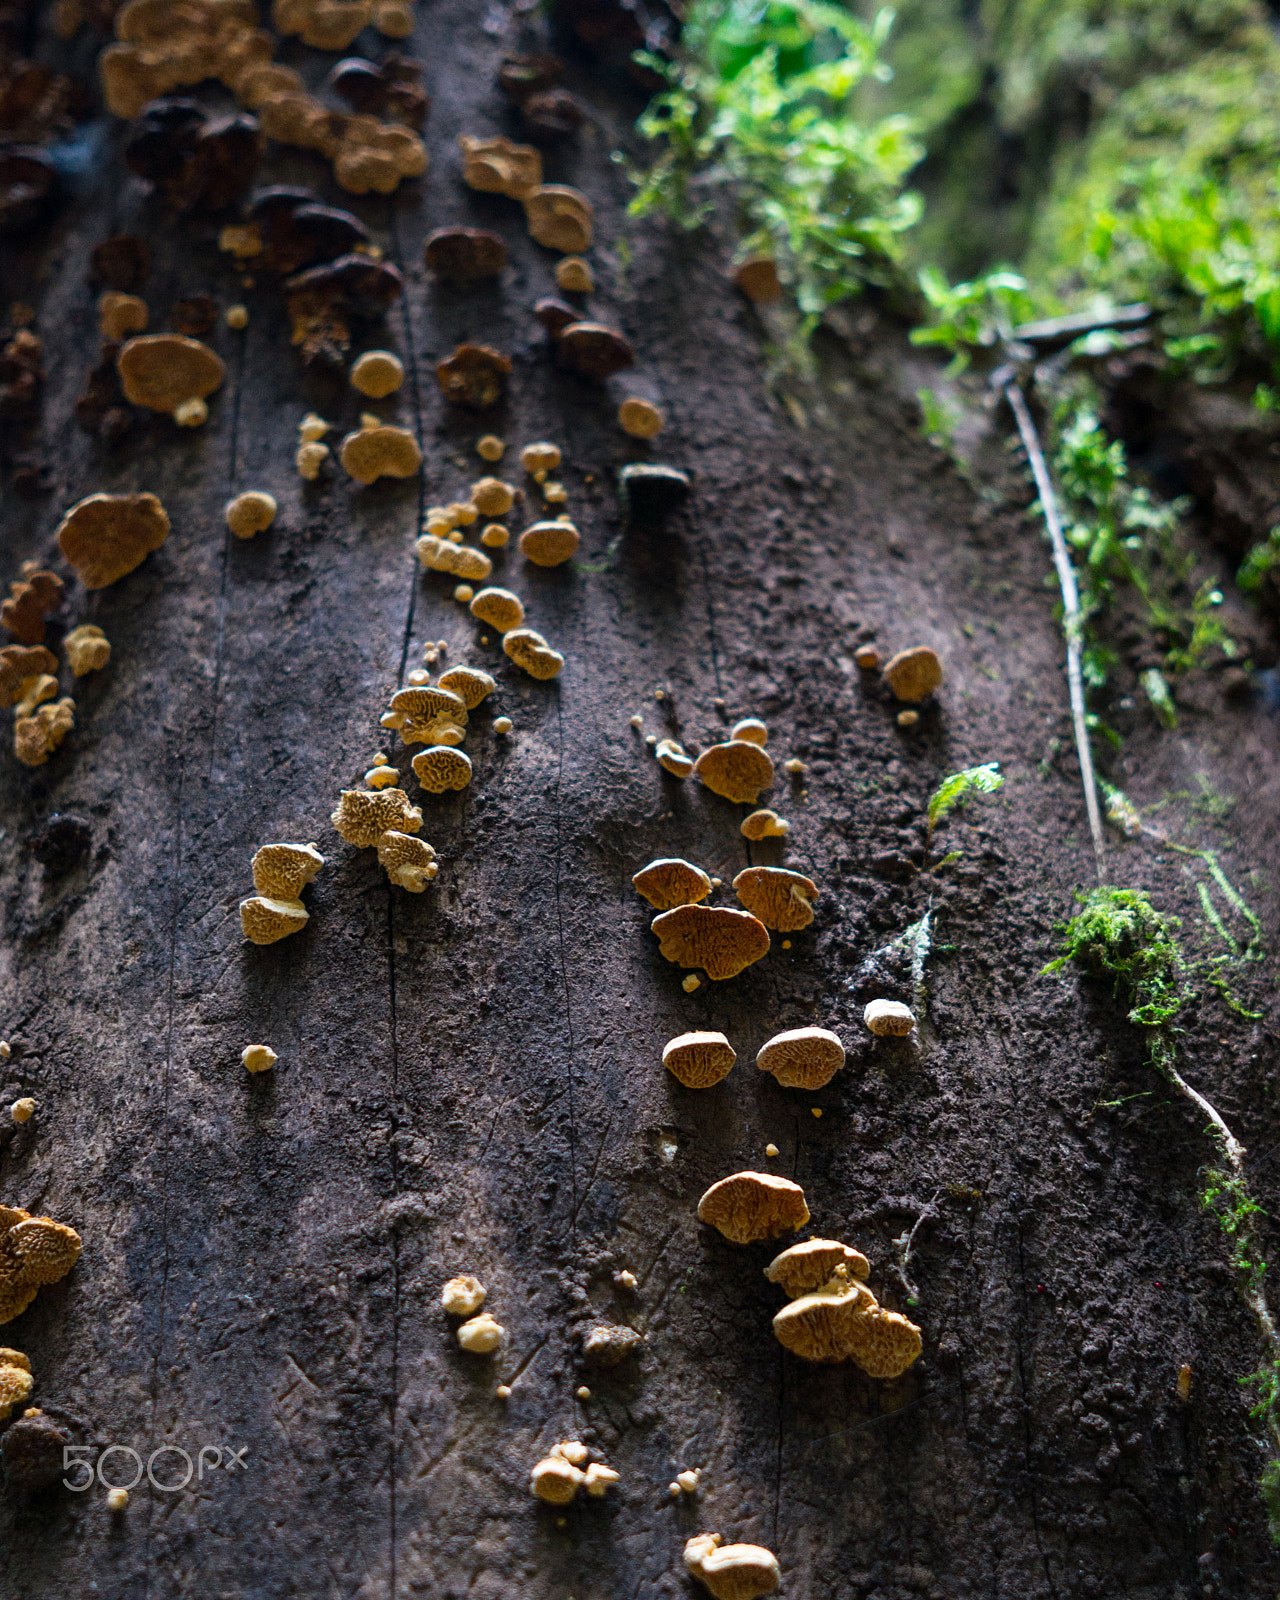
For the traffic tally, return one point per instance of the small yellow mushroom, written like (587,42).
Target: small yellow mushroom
(490,448)
(410,863)
(117,1500)
(251,512)
(377,373)
(751,729)
(540,459)
(555,1480)
(23,1110)
(495,536)
(193,413)
(310,457)
(441,768)
(265,920)
(237,317)
(462,1297)
(671,755)
(549,544)
(88,649)
(531,652)
(481,1336)
(503,724)
(492,498)
(380,452)
(764,825)
(640,418)
(501,609)
(258,1057)
(313,427)
(574,276)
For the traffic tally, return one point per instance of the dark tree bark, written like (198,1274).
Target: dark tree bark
(470,1080)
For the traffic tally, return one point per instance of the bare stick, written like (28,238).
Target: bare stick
(1071,620)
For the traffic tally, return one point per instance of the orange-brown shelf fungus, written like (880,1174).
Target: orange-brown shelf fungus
(560,218)
(250,513)
(888,1018)
(380,452)
(802,1058)
(804,1268)
(783,900)
(764,824)
(462,1297)
(474,376)
(322,24)
(441,768)
(748,1206)
(699,1060)
(120,315)
(737,770)
(498,608)
(671,881)
(549,544)
(34,1251)
(540,459)
(751,729)
(15,1381)
(267,921)
(35,738)
(458,560)
(35,692)
(162,371)
(672,758)
(362,817)
(914,674)
(21,669)
(376,374)
(731,1571)
(105,536)
(532,654)
(30,601)
(574,276)
(282,871)
(719,941)
(470,684)
(492,497)
(835,1323)
(757,277)
(421,714)
(640,418)
(866,658)
(409,863)
(498,166)
(558,1477)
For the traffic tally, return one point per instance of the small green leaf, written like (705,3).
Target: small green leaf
(951,791)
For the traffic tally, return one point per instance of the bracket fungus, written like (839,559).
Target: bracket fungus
(376,374)
(731,1571)
(120,315)
(282,871)
(757,277)
(258,1058)
(380,452)
(591,350)
(470,684)
(672,758)
(802,1058)
(34,1251)
(737,770)
(671,881)
(610,1346)
(492,498)
(499,608)
(362,817)
(459,560)
(640,418)
(322,24)
(30,601)
(35,738)
(463,256)
(783,900)
(574,276)
(913,674)
(266,921)
(888,1017)
(162,371)
(719,941)
(499,166)
(21,666)
(419,714)
(474,376)
(560,218)
(532,654)
(15,1381)
(806,1267)
(699,1060)
(549,544)
(462,1297)
(752,729)
(105,536)
(481,1336)
(753,1205)
(764,825)
(441,768)
(836,1323)
(539,459)
(556,1480)
(251,512)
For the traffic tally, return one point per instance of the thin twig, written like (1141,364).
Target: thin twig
(1072,621)
(905,1243)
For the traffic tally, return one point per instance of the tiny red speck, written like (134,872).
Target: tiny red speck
(1159,1285)
(1039,1288)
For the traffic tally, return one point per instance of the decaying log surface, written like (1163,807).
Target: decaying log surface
(470,1080)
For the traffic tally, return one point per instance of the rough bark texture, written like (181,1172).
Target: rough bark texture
(470,1080)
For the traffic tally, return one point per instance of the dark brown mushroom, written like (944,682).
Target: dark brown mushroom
(30,602)
(323,300)
(21,377)
(521,76)
(194,161)
(464,255)
(28,187)
(195,316)
(474,376)
(121,262)
(551,115)
(101,409)
(296,232)
(592,350)
(390,90)
(555,315)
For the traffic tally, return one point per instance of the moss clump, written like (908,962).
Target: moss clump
(1119,935)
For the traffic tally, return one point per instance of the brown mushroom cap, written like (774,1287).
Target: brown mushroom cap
(501,609)
(764,825)
(474,375)
(384,452)
(732,1571)
(282,871)
(362,817)
(560,218)
(29,603)
(738,770)
(420,713)
(752,729)
(806,1267)
(162,370)
(822,1325)
(914,674)
(17,664)
(699,1060)
(888,1017)
(671,881)
(753,1205)
(531,652)
(465,255)
(441,768)
(263,919)
(720,941)
(105,536)
(592,350)
(45,1250)
(802,1058)
(757,277)
(499,166)
(780,898)
(470,684)
(549,544)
